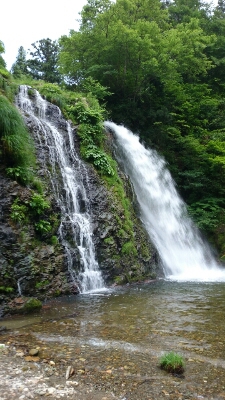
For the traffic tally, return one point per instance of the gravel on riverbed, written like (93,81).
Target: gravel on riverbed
(21,378)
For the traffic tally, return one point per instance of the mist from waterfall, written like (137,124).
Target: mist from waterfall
(183,253)
(68,177)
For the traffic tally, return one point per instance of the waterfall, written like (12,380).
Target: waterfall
(184,254)
(68,177)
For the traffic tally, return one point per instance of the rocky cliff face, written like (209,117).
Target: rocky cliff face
(36,266)
(28,265)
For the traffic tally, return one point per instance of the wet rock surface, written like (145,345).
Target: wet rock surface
(28,265)
(32,266)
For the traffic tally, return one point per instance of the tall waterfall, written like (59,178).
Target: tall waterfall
(68,177)
(184,254)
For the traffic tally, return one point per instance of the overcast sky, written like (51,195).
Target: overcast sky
(25,21)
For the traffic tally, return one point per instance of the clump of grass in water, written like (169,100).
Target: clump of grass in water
(172,362)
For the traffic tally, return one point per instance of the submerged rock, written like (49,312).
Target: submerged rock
(23,305)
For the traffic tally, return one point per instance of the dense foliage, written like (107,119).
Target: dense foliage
(163,64)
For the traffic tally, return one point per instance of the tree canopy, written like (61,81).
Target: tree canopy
(20,66)
(43,64)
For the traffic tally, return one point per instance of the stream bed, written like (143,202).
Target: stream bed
(114,339)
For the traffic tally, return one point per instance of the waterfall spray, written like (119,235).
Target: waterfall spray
(184,254)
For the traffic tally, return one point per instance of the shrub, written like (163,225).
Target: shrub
(19,212)
(99,159)
(53,93)
(37,184)
(17,149)
(38,204)
(172,362)
(20,174)
(42,226)
(54,240)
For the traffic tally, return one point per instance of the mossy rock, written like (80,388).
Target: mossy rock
(120,280)
(23,305)
(32,305)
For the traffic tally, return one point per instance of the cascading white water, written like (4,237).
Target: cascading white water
(67,175)
(184,254)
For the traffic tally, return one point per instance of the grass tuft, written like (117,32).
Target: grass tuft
(172,362)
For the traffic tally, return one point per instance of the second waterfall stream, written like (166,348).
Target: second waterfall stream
(184,254)
(67,175)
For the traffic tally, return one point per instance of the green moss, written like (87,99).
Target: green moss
(145,252)
(41,284)
(6,289)
(120,280)
(54,240)
(57,293)
(109,240)
(129,249)
(123,234)
(32,305)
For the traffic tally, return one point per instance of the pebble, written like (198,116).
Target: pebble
(20,354)
(33,352)
(72,383)
(69,372)
(51,390)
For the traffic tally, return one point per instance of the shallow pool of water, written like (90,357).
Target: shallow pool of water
(125,331)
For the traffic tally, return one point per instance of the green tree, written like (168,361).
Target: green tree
(43,64)
(2,50)
(91,10)
(216,51)
(221,7)
(183,10)
(20,66)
